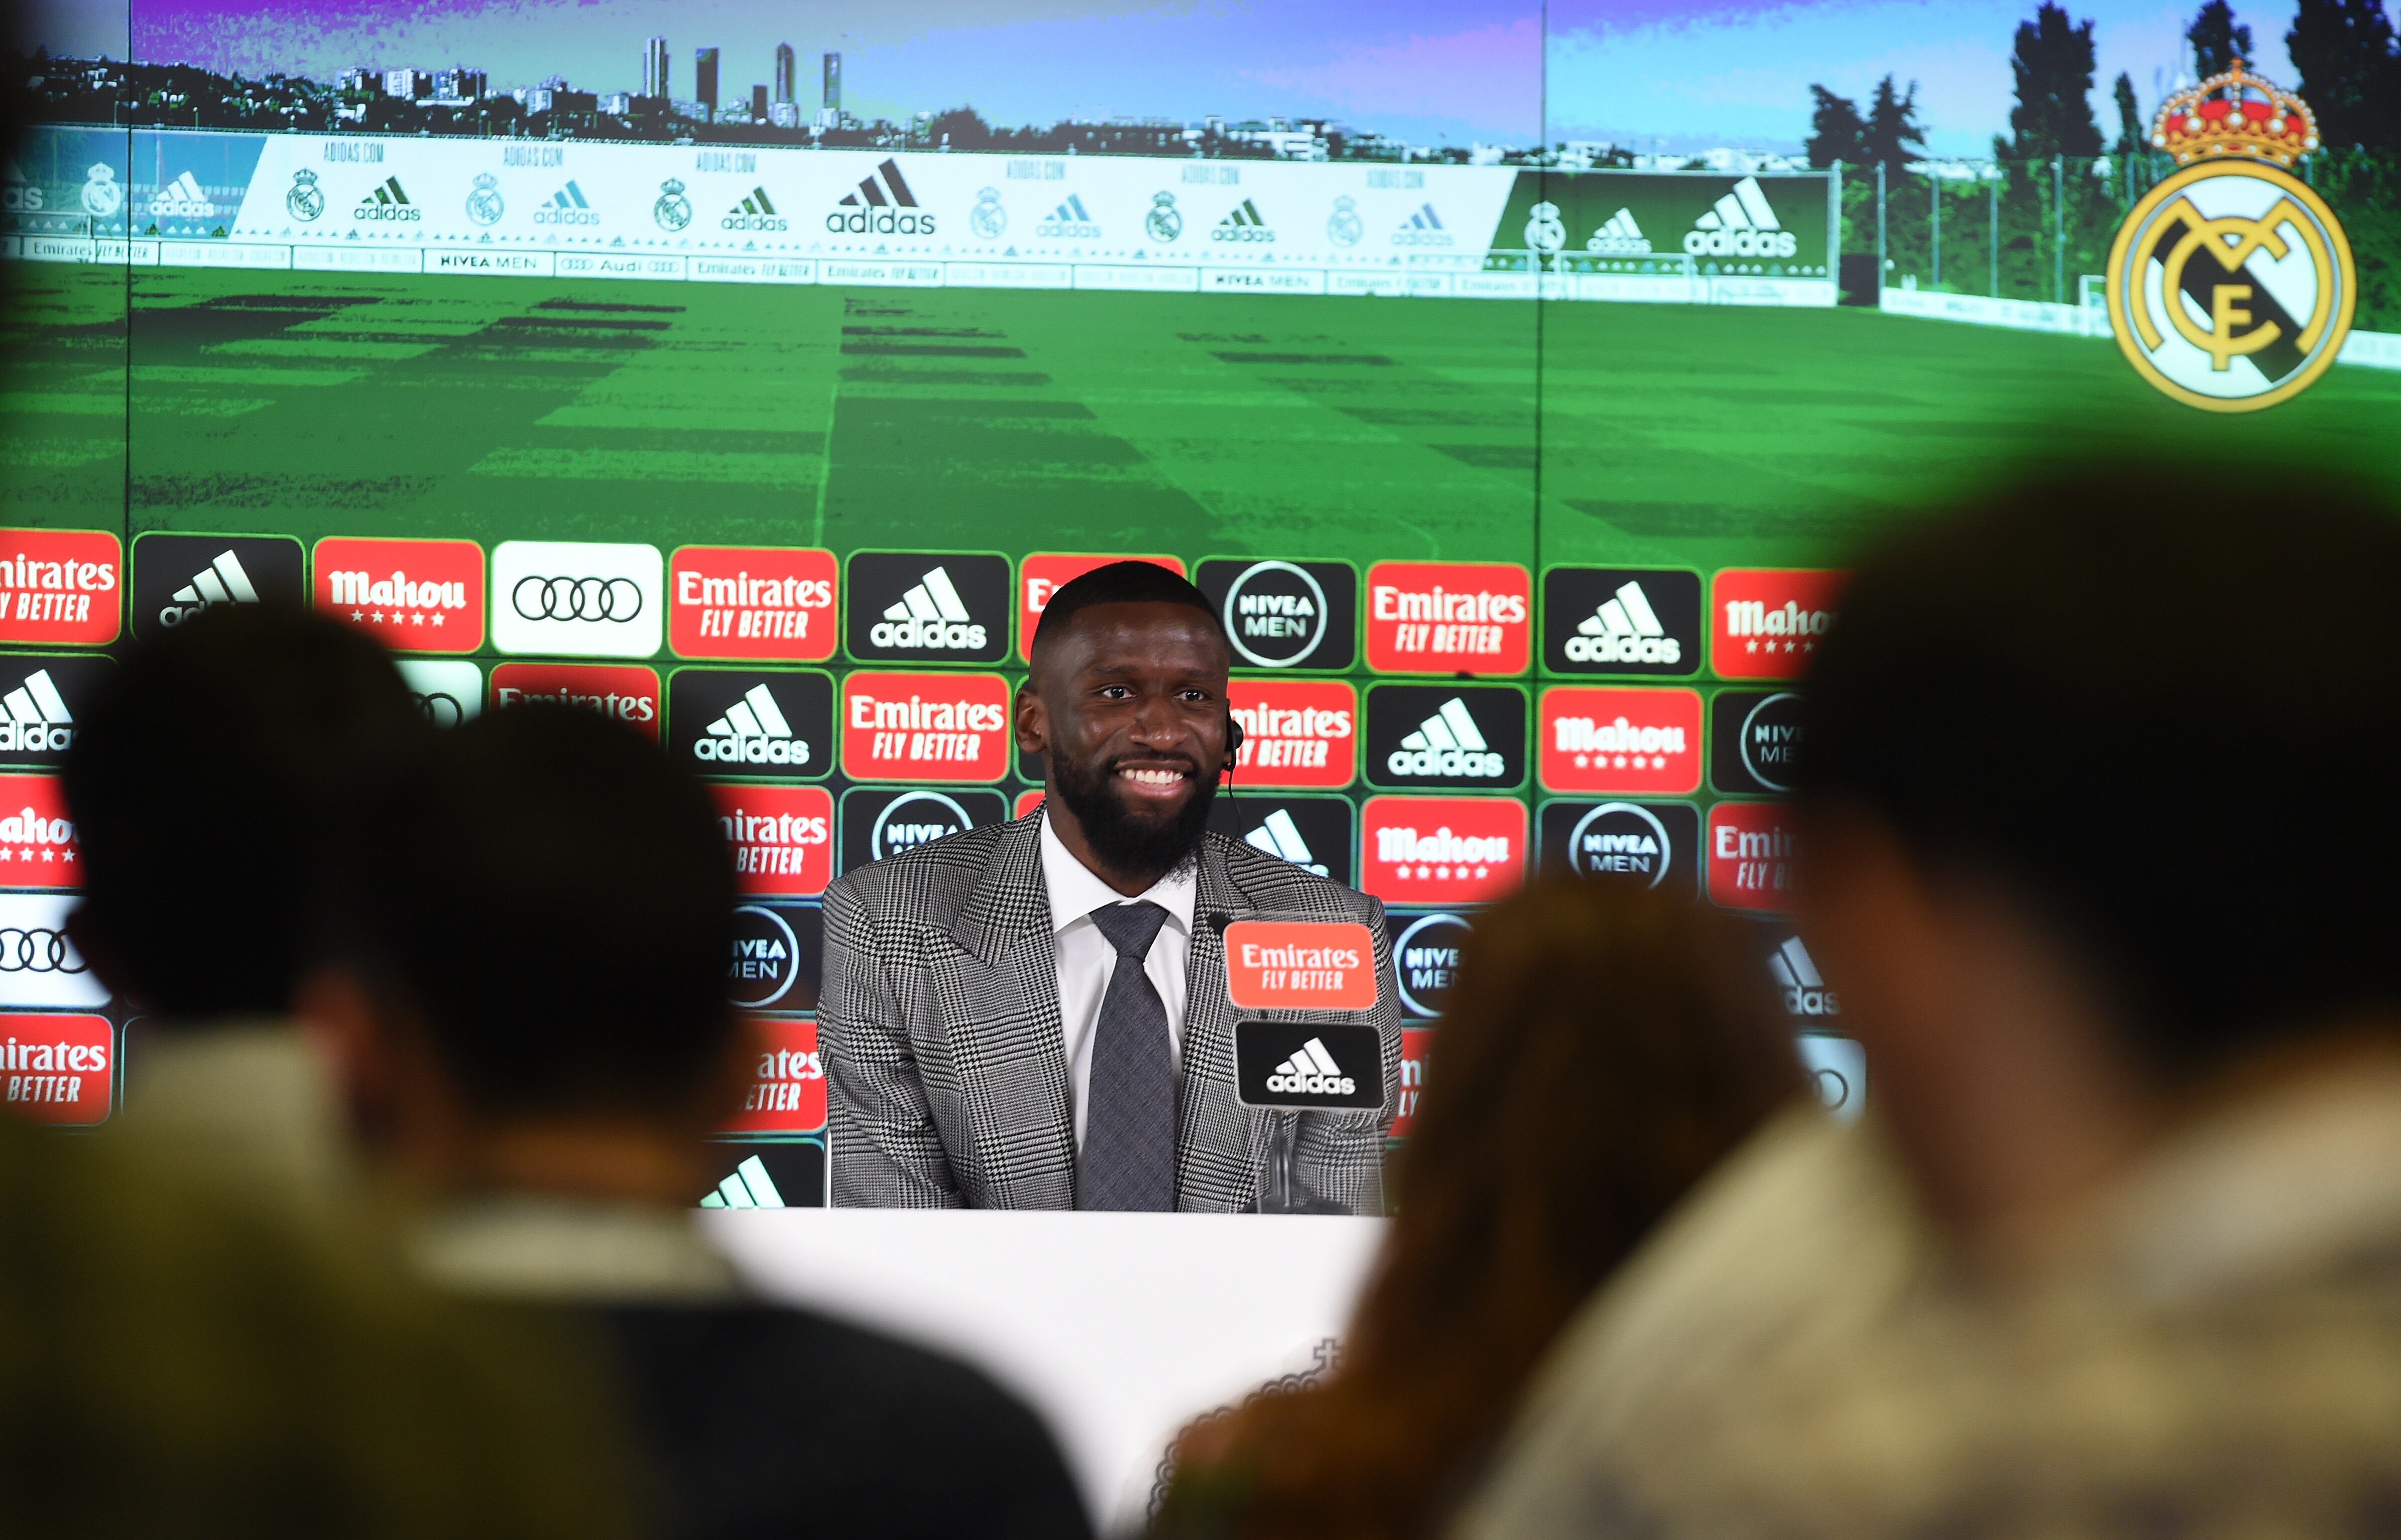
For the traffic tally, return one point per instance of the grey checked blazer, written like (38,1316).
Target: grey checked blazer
(947,1068)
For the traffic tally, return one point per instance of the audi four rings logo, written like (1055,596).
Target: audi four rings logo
(36,951)
(618,599)
(441,709)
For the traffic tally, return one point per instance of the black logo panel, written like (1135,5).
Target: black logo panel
(1753,735)
(1465,737)
(1810,1004)
(1310,832)
(778,957)
(1304,1064)
(1425,958)
(751,722)
(176,577)
(1619,619)
(1655,843)
(927,606)
(1286,614)
(881,821)
(769,1174)
(44,696)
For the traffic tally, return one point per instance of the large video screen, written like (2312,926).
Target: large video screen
(1515,376)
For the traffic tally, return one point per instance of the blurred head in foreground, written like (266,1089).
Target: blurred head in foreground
(215,789)
(2094,813)
(1605,1046)
(542,961)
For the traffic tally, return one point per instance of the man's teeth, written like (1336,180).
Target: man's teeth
(1153,777)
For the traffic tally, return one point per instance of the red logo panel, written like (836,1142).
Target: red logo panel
(925,726)
(726,601)
(411,596)
(1027,801)
(1415,1041)
(58,1069)
(37,844)
(1621,739)
(626,691)
(1449,617)
(1428,851)
(1750,855)
(61,586)
(1300,965)
(1766,624)
(1040,576)
(782,838)
(1296,733)
(786,1094)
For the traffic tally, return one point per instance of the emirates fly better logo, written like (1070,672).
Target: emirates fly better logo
(925,726)
(60,587)
(782,838)
(1449,618)
(1296,733)
(751,602)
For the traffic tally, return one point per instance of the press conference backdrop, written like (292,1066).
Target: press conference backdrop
(1514,383)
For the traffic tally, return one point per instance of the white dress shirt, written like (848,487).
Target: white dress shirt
(1087,961)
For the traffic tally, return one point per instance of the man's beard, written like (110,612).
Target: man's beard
(1132,846)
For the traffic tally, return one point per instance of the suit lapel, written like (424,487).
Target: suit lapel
(1006,1048)
(1214,1164)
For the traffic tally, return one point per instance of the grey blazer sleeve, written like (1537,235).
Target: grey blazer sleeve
(885,1151)
(1340,1156)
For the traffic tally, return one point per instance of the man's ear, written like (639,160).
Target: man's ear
(1032,720)
(91,943)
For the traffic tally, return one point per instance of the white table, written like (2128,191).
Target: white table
(1117,1328)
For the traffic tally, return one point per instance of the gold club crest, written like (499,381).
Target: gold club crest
(2230,283)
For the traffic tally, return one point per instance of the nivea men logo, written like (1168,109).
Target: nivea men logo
(1470,736)
(1755,736)
(41,695)
(751,722)
(1307,1064)
(883,205)
(177,577)
(1632,620)
(1286,614)
(1649,842)
(1795,972)
(880,821)
(1313,833)
(927,606)
(1425,961)
(777,957)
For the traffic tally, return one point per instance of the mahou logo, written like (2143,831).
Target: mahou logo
(1750,855)
(786,1094)
(1040,576)
(1296,733)
(411,596)
(782,838)
(37,840)
(925,726)
(1621,739)
(1431,851)
(1766,624)
(751,602)
(61,586)
(626,691)
(1449,618)
(59,1069)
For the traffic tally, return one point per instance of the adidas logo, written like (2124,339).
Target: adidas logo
(38,719)
(1311,1071)
(1741,225)
(221,582)
(387,203)
(182,198)
(1805,992)
(1423,228)
(566,206)
(931,615)
(1619,235)
(1280,836)
(1243,224)
(752,731)
(749,1187)
(1624,630)
(1447,743)
(1070,219)
(757,213)
(883,205)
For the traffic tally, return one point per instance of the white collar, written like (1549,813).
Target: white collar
(1075,893)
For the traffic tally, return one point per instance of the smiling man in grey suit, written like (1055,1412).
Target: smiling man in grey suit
(1035,1014)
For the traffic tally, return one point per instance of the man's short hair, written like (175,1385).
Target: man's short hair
(2165,706)
(1120,583)
(212,784)
(556,903)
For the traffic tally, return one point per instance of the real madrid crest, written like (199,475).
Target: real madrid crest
(2230,283)
(304,201)
(484,204)
(673,211)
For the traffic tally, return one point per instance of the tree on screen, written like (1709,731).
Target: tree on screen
(2129,117)
(2350,74)
(2053,66)
(1837,130)
(1893,134)
(2218,39)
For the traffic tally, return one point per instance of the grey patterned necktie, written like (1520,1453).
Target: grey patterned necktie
(1128,1159)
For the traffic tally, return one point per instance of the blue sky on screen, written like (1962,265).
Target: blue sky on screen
(1685,74)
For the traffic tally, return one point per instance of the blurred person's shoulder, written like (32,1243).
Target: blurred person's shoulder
(1272,884)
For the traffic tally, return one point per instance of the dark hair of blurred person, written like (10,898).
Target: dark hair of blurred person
(1604,1046)
(536,1036)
